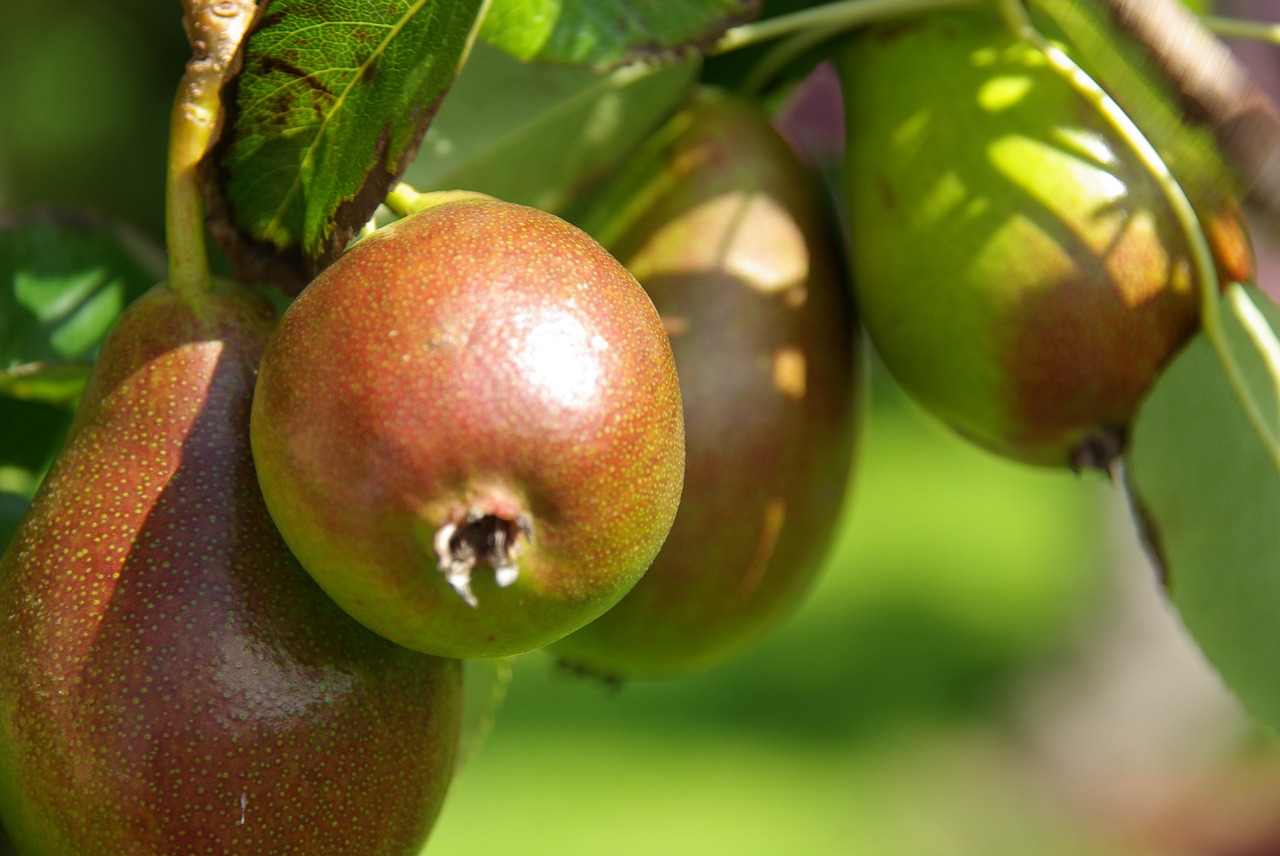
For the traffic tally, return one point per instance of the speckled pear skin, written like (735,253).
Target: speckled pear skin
(1019,271)
(171,681)
(484,357)
(740,255)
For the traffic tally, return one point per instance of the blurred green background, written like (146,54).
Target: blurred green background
(85,89)
(898,713)
(986,668)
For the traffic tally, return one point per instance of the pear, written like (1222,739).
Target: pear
(171,680)
(1018,270)
(469,429)
(725,227)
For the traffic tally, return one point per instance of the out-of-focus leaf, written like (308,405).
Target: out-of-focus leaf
(486,683)
(609,33)
(327,111)
(31,432)
(64,278)
(732,69)
(12,507)
(54,383)
(1203,469)
(540,135)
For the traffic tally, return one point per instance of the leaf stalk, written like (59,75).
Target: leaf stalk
(1242,29)
(829,19)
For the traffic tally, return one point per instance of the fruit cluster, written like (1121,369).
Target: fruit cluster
(236,608)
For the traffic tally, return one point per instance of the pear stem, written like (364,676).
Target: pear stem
(1203,266)
(817,23)
(800,31)
(184,212)
(828,19)
(634,190)
(811,27)
(215,29)
(403,200)
(1242,29)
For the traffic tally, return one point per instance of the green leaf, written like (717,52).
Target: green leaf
(327,111)
(31,433)
(609,33)
(64,278)
(53,383)
(12,508)
(545,133)
(741,69)
(486,683)
(1203,469)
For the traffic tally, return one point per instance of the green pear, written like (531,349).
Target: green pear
(171,680)
(725,227)
(469,429)
(1018,270)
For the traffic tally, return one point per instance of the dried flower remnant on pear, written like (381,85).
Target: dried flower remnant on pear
(469,429)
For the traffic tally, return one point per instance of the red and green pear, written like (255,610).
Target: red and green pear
(725,227)
(469,429)
(171,679)
(1019,271)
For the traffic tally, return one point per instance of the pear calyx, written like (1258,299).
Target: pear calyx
(494,539)
(1099,451)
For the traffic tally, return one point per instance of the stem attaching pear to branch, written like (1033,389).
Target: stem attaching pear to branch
(215,29)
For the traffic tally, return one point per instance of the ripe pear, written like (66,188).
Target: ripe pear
(171,680)
(725,227)
(1018,270)
(469,429)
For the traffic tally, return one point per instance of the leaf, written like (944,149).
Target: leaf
(486,683)
(12,508)
(64,279)
(326,113)
(546,133)
(609,33)
(1203,469)
(759,67)
(30,435)
(53,383)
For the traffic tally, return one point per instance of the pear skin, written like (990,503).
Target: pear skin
(1019,271)
(469,429)
(725,227)
(171,680)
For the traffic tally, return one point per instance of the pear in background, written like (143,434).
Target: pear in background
(726,228)
(1019,271)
